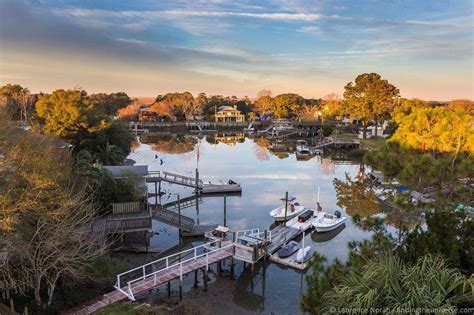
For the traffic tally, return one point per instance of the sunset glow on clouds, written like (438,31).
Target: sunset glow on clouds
(237,47)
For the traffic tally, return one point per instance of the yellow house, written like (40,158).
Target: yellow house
(229,114)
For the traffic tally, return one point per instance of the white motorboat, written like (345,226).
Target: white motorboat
(302,255)
(328,222)
(293,209)
(305,220)
(230,186)
(302,147)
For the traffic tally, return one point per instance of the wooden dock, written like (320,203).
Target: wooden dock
(171,218)
(141,279)
(183,203)
(193,182)
(199,230)
(289,262)
(280,236)
(121,223)
(158,176)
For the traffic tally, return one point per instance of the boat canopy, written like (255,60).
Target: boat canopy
(222,229)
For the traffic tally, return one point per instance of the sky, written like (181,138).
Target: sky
(238,47)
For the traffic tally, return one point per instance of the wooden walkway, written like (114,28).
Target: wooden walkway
(280,236)
(184,203)
(158,176)
(172,218)
(336,143)
(289,262)
(120,223)
(141,279)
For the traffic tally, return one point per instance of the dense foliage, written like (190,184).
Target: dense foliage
(370,98)
(84,121)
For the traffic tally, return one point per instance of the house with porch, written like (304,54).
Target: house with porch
(229,114)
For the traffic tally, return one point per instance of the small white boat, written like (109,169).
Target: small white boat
(302,147)
(294,209)
(230,186)
(305,220)
(302,255)
(328,222)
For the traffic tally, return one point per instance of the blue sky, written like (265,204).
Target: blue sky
(146,47)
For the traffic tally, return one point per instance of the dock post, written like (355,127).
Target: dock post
(286,204)
(219,263)
(204,278)
(197,207)
(180,290)
(231,267)
(195,278)
(197,180)
(156,193)
(225,210)
(266,246)
(179,218)
(169,289)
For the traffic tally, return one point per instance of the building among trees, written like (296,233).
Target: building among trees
(229,114)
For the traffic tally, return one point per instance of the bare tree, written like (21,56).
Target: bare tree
(17,100)
(51,247)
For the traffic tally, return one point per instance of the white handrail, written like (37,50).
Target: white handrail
(166,259)
(182,262)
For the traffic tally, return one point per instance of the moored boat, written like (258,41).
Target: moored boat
(302,255)
(293,209)
(230,186)
(288,249)
(328,222)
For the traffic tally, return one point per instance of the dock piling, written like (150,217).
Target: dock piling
(204,278)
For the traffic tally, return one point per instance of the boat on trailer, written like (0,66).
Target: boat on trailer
(328,222)
(294,209)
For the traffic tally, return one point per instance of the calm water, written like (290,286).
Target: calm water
(264,178)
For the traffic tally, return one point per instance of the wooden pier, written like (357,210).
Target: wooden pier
(193,182)
(249,246)
(144,278)
(280,236)
(159,176)
(171,218)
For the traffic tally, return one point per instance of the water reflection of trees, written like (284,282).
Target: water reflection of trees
(173,143)
(260,148)
(359,197)
(327,166)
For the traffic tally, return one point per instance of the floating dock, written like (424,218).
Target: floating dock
(289,262)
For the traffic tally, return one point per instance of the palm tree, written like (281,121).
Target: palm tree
(385,283)
(109,154)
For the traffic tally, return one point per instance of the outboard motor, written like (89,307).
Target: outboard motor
(338,214)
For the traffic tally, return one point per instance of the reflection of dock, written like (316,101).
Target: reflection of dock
(194,182)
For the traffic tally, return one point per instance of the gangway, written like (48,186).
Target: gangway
(145,277)
(182,203)
(157,176)
(171,218)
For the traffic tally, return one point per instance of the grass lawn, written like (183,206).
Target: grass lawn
(375,144)
(126,308)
